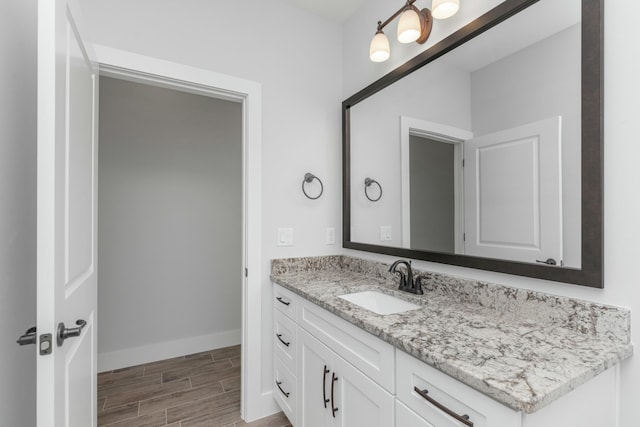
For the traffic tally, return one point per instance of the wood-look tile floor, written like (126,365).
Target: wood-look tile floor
(199,390)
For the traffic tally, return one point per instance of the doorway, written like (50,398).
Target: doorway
(255,403)
(169,247)
(170,228)
(432,154)
(433,194)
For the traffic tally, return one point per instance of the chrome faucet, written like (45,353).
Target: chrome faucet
(407,283)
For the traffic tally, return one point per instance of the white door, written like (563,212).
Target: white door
(315,382)
(66,220)
(513,193)
(358,400)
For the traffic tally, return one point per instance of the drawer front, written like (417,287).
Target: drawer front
(284,339)
(374,357)
(449,397)
(285,301)
(284,389)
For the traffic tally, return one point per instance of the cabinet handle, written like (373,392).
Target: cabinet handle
(325,371)
(333,382)
(464,419)
(281,390)
(283,301)
(282,341)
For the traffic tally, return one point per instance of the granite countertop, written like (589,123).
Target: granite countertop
(522,348)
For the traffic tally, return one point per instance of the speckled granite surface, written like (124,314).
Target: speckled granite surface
(523,348)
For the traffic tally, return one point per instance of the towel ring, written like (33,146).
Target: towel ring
(309,177)
(367,184)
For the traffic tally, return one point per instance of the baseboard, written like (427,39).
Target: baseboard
(166,350)
(263,407)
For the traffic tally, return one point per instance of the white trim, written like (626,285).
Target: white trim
(254,403)
(166,350)
(411,126)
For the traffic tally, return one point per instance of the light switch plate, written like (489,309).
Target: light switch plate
(385,233)
(331,236)
(285,237)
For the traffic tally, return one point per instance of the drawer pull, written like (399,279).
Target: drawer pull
(283,301)
(281,390)
(334,378)
(324,386)
(283,341)
(464,419)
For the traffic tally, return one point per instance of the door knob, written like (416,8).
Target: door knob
(29,337)
(64,333)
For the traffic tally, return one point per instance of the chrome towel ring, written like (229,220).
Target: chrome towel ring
(308,178)
(367,184)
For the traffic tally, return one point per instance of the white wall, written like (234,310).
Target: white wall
(296,56)
(170,228)
(17,210)
(621,174)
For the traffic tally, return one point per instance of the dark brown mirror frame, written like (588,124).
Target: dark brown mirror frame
(591,272)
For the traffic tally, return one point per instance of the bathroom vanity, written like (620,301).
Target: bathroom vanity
(471,354)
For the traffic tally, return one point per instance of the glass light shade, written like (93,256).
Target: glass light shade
(408,26)
(379,50)
(443,9)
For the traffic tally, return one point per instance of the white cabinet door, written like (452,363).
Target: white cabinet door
(66,219)
(405,417)
(513,193)
(314,381)
(334,393)
(357,400)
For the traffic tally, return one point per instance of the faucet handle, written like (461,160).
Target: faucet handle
(418,285)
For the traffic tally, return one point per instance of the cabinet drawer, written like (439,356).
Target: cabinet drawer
(284,339)
(374,357)
(285,389)
(285,301)
(451,394)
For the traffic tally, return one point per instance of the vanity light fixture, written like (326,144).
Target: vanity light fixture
(414,26)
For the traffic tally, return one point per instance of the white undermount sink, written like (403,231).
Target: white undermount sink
(379,303)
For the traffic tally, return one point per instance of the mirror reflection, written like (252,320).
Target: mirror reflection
(478,153)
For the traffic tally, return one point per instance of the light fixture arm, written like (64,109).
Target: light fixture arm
(426,20)
(395,15)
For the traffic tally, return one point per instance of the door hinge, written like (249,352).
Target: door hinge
(462,162)
(464,237)
(246,272)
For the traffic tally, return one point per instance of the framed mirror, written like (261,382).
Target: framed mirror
(485,150)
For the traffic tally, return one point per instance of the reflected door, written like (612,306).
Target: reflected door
(513,193)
